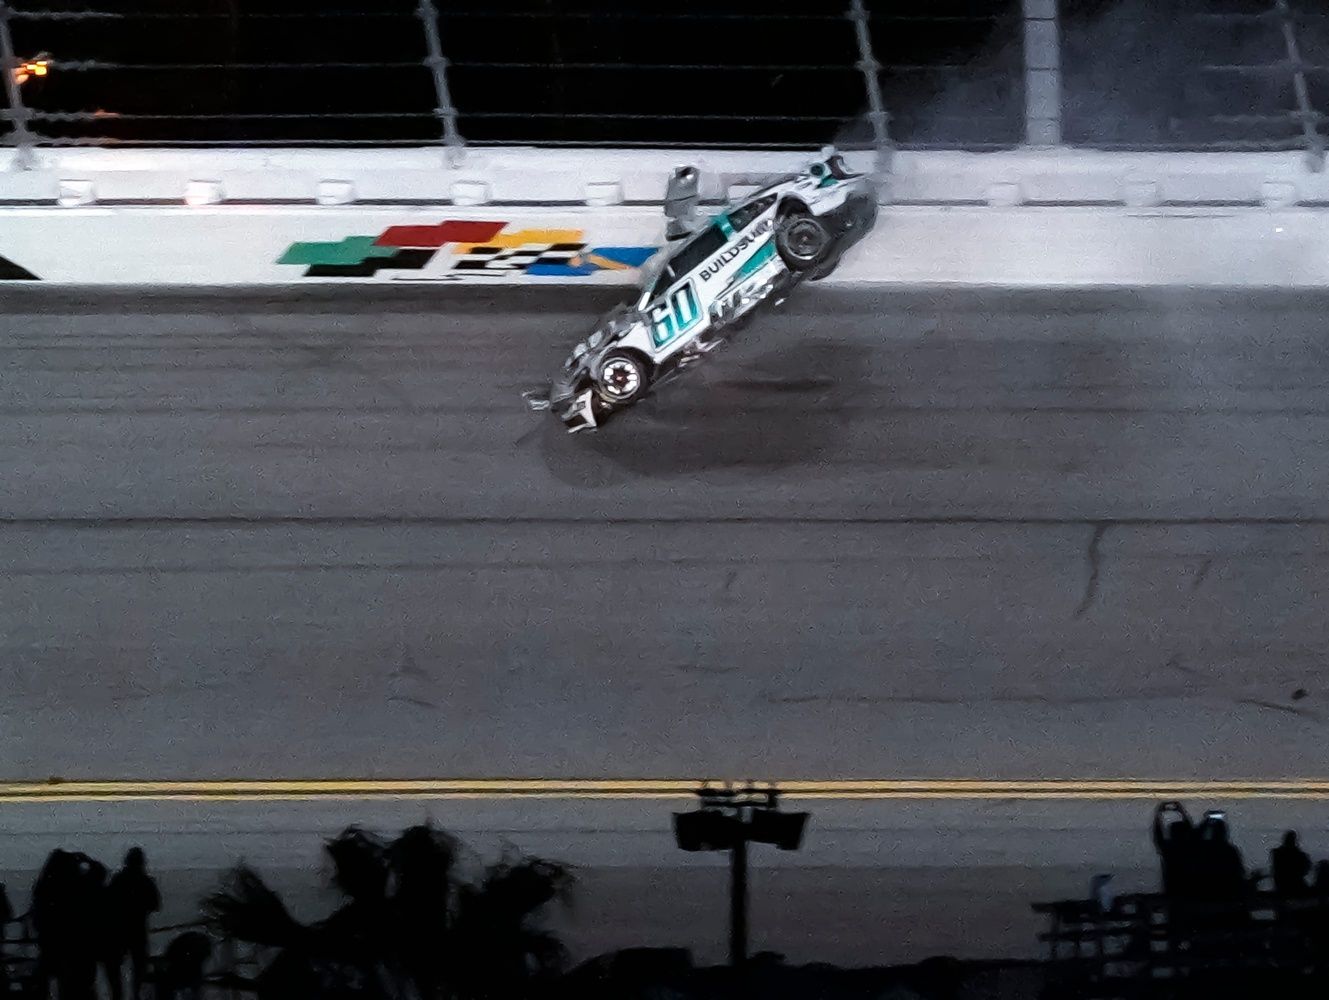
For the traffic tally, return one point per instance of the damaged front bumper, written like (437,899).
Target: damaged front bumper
(578,413)
(576,405)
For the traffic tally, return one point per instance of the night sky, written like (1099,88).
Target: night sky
(1137,72)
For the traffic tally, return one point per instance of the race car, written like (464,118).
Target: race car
(713,274)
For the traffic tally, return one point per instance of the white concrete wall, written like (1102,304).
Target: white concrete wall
(224,245)
(1025,218)
(529,175)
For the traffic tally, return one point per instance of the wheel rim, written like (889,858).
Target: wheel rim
(620,378)
(804,239)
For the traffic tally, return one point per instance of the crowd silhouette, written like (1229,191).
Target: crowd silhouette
(1219,928)
(1198,861)
(90,925)
(413,924)
(410,925)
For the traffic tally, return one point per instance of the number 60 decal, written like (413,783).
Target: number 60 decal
(672,318)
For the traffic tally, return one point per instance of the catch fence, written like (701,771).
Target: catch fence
(892,74)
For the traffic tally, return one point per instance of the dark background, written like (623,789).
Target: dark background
(519,70)
(1137,73)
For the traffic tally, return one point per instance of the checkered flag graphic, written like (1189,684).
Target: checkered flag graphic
(482,258)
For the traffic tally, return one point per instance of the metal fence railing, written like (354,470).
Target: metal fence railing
(726,73)
(1197,75)
(885,74)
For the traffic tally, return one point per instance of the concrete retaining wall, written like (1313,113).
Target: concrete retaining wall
(1035,247)
(578,176)
(1027,218)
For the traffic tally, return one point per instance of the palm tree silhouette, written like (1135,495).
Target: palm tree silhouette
(410,927)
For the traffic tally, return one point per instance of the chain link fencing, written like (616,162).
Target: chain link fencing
(527,72)
(907,74)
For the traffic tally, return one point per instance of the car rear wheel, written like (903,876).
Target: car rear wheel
(621,378)
(824,269)
(802,240)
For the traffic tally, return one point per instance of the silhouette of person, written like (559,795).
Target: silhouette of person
(1221,863)
(1318,917)
(86,930)
(1290,866)
(132,898)
(6,918)
(52,904)
(1176,846)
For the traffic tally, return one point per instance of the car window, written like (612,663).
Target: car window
(709,241)
(666,279)
(741,218)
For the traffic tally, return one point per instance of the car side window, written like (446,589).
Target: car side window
(741,218)
(709,241)
(662,285)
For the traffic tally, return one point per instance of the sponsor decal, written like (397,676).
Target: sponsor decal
(9,271)
(476,249)
(753,264)
(717,263)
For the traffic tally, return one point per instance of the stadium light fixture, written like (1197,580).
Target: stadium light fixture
(728,820)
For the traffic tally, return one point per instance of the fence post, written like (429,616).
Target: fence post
(1042,73)
(871,69)
(438,67)
(19,133)
(1307,114)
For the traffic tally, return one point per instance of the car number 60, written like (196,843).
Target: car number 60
(672,318)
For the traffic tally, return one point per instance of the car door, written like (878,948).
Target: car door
(678,310)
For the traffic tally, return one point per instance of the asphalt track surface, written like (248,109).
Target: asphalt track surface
(883,534)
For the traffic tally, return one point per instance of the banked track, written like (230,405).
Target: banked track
(885,535)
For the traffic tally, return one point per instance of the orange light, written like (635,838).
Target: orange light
(31,68)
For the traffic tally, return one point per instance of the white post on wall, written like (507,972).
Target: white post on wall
(1042,73)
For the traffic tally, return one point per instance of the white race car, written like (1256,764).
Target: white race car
(713,275)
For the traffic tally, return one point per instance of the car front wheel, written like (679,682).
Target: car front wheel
(621,378)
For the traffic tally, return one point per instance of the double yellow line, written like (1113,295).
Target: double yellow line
(507,789)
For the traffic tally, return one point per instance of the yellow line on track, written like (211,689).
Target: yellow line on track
(499,789)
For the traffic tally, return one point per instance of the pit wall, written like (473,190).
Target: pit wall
(1022,218)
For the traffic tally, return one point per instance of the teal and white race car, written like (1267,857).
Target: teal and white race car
(715,273)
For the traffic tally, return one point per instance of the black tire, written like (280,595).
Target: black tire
(622,378)
(802,240)
(824,269)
